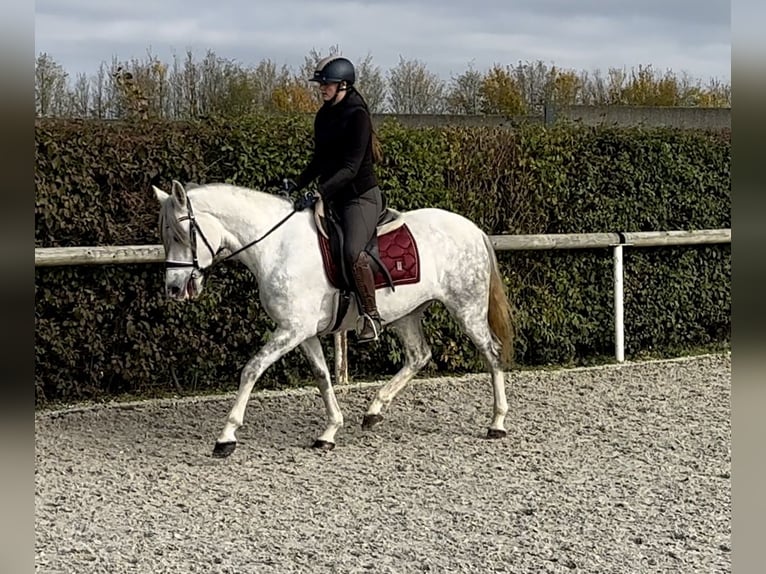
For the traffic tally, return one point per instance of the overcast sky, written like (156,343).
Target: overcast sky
(691,36)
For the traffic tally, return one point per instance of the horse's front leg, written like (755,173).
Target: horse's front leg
(281,342)
(312,348)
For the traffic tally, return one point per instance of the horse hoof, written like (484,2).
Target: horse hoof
(370,421)
(496,433)
(323,445)
(223,449)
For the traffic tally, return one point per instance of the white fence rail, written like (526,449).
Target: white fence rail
(115,255)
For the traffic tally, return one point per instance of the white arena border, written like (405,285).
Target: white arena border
(169,402)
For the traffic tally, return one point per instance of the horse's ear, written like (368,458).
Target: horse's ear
(159,194)
(179,193)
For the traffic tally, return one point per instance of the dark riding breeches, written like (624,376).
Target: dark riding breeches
(359,217)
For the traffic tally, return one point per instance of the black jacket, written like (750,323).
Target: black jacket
(342,156)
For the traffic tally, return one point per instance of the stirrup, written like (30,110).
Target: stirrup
(374,324)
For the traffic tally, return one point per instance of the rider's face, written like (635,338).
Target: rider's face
(328,90)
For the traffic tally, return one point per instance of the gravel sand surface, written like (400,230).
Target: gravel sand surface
(622,468)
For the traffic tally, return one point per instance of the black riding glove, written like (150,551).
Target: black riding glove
(305,201)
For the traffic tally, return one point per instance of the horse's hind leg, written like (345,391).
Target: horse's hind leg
(312,348)
(409,329)
(473,319)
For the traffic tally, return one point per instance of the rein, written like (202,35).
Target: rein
(264,236)
(194,228)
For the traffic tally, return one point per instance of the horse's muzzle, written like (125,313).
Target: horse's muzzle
(181,292)
(175,292)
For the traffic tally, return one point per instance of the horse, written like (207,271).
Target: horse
(457,266)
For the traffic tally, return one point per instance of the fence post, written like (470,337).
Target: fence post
(341,358)
(619,326)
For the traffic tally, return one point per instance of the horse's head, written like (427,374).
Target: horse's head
(191,241)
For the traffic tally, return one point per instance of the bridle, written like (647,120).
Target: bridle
(195,229)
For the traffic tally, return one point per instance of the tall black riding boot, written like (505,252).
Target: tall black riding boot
(365,284)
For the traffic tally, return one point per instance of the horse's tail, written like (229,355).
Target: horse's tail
(499,314)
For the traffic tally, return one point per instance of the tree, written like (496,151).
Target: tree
(188,89)
(238,95)
(292,95)
(371,84)
(415,90)
(185,88)
(134,100)
(645,88)
(465,93)
(567,88)
(158,86)
(100,93)
(265,79)
(716,95)
(534,82)
(50,87)
(500,93)
(80,97)
(615,86)
(593,88)
(143,87)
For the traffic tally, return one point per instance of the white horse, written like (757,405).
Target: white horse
(280,247)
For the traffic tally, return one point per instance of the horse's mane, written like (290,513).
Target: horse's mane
(169,221)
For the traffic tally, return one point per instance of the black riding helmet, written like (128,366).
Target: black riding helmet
(334,69)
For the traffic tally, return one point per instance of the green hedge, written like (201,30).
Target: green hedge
(102,331)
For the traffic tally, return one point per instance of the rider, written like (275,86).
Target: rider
(345,148)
